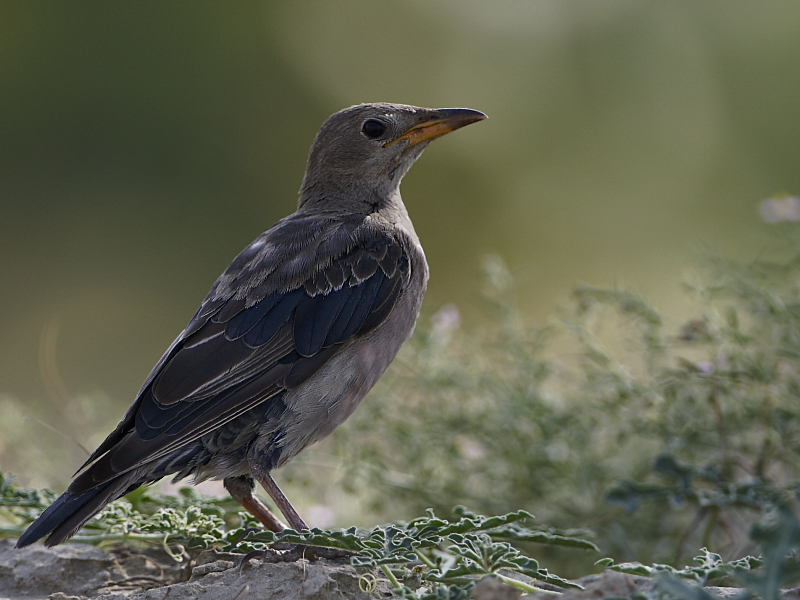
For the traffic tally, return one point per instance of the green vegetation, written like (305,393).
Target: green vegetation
(661,437)
(439,556)
(656,438)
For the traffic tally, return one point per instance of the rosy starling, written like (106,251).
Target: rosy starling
(290,338)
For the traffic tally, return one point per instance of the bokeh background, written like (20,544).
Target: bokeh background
(143,145)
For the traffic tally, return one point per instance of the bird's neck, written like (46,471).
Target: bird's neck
(348,196)
(387,205)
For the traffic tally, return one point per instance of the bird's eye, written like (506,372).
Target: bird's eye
(373,128)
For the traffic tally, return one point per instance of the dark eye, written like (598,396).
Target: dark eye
(373,128)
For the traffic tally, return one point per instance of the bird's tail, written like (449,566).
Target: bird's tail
(69,513)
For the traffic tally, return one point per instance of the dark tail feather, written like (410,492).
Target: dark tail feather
(69,513)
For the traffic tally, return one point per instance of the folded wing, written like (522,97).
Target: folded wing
(244,347)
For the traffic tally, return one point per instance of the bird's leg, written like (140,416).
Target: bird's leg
(241,489)
(282,502)
(292,552)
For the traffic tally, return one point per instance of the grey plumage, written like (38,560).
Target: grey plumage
(290,338)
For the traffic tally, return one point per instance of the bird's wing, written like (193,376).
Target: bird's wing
(280,311)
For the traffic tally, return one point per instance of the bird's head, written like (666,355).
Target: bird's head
(366,149)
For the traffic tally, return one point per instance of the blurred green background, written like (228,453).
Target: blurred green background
(142,145)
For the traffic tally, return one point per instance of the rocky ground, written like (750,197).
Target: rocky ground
(82,572)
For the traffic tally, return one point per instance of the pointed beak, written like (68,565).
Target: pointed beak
(443,120)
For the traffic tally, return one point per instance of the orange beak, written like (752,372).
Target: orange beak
(444,121)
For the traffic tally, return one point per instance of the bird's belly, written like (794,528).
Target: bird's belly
(329,397)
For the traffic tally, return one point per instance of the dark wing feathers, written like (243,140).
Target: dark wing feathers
(361,309)
(393,259)
(231,308)
(260,330)
(196,366)
(335,276)
(314,318)
(282,306)
(245,319)
(132,451)
(345,314)
(383,303)
(208,310)
(364,267)
(205,371)
(204,334)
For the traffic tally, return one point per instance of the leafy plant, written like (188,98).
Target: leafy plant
(443,556)
(188,522)
(778,534)
(446,554)
(709,570)
(428,558)
(585,434)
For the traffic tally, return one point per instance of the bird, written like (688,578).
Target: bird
(290,338)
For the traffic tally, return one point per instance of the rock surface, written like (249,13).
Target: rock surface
(37,571)
(78,571)
(82,572)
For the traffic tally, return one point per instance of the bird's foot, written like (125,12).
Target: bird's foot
(293,552)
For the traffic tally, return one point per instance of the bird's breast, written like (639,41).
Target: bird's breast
(329,397)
